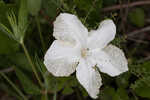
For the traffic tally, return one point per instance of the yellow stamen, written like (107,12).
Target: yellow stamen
(84,53)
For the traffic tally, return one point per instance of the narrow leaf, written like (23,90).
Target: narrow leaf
(28,86)
(6,31)
(23,17)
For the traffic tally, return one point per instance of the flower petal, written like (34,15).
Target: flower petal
(111,60)
(103,35)
(89,77)
(68,27)
(61,58)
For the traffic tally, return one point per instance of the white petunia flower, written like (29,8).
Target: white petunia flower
(77,49)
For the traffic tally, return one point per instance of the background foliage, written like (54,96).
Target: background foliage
(26,28)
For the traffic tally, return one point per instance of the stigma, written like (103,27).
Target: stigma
(84,52)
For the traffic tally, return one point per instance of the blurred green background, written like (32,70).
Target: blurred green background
(26,33)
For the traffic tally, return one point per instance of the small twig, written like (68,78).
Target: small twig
(145,29)
(136,46)
(123,14)
(144,59)
(117,7)
(7,70)
(138,41)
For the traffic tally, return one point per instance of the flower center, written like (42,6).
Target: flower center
(84,52)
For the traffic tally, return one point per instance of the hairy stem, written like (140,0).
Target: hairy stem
(40,33)
(31,63)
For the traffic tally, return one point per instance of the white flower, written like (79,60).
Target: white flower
(77,49)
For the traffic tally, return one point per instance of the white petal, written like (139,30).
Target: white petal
(89,77)
(111,60)
(68,27)
(103,35)
(61,58)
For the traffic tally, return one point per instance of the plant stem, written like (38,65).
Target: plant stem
(31,63)
(14,86)
(55,96)
(40,33)
(133,4)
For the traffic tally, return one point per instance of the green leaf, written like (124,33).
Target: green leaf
(141,69)
(6,31)
(145,69)
(84,4)
(14,25)
(51,7)
(34,6)
(55,84)
(142,87)
(4,8)
(18,26)
(71,83)
(67,91)
(90,11)
(123,80)
(4,24)
(118,41)
(20,60)
(28,86)
(23,13)
(137,17)
(51,83)
(8,46)
(44,97)
(146,65)
(107,93)
(121,94)
(5,62)
(23,18)
(40,65)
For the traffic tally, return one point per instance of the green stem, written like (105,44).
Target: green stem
(55,96)
(31,63)
(14,86)
(40,32)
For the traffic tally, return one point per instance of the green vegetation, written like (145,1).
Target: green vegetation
(26,28)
